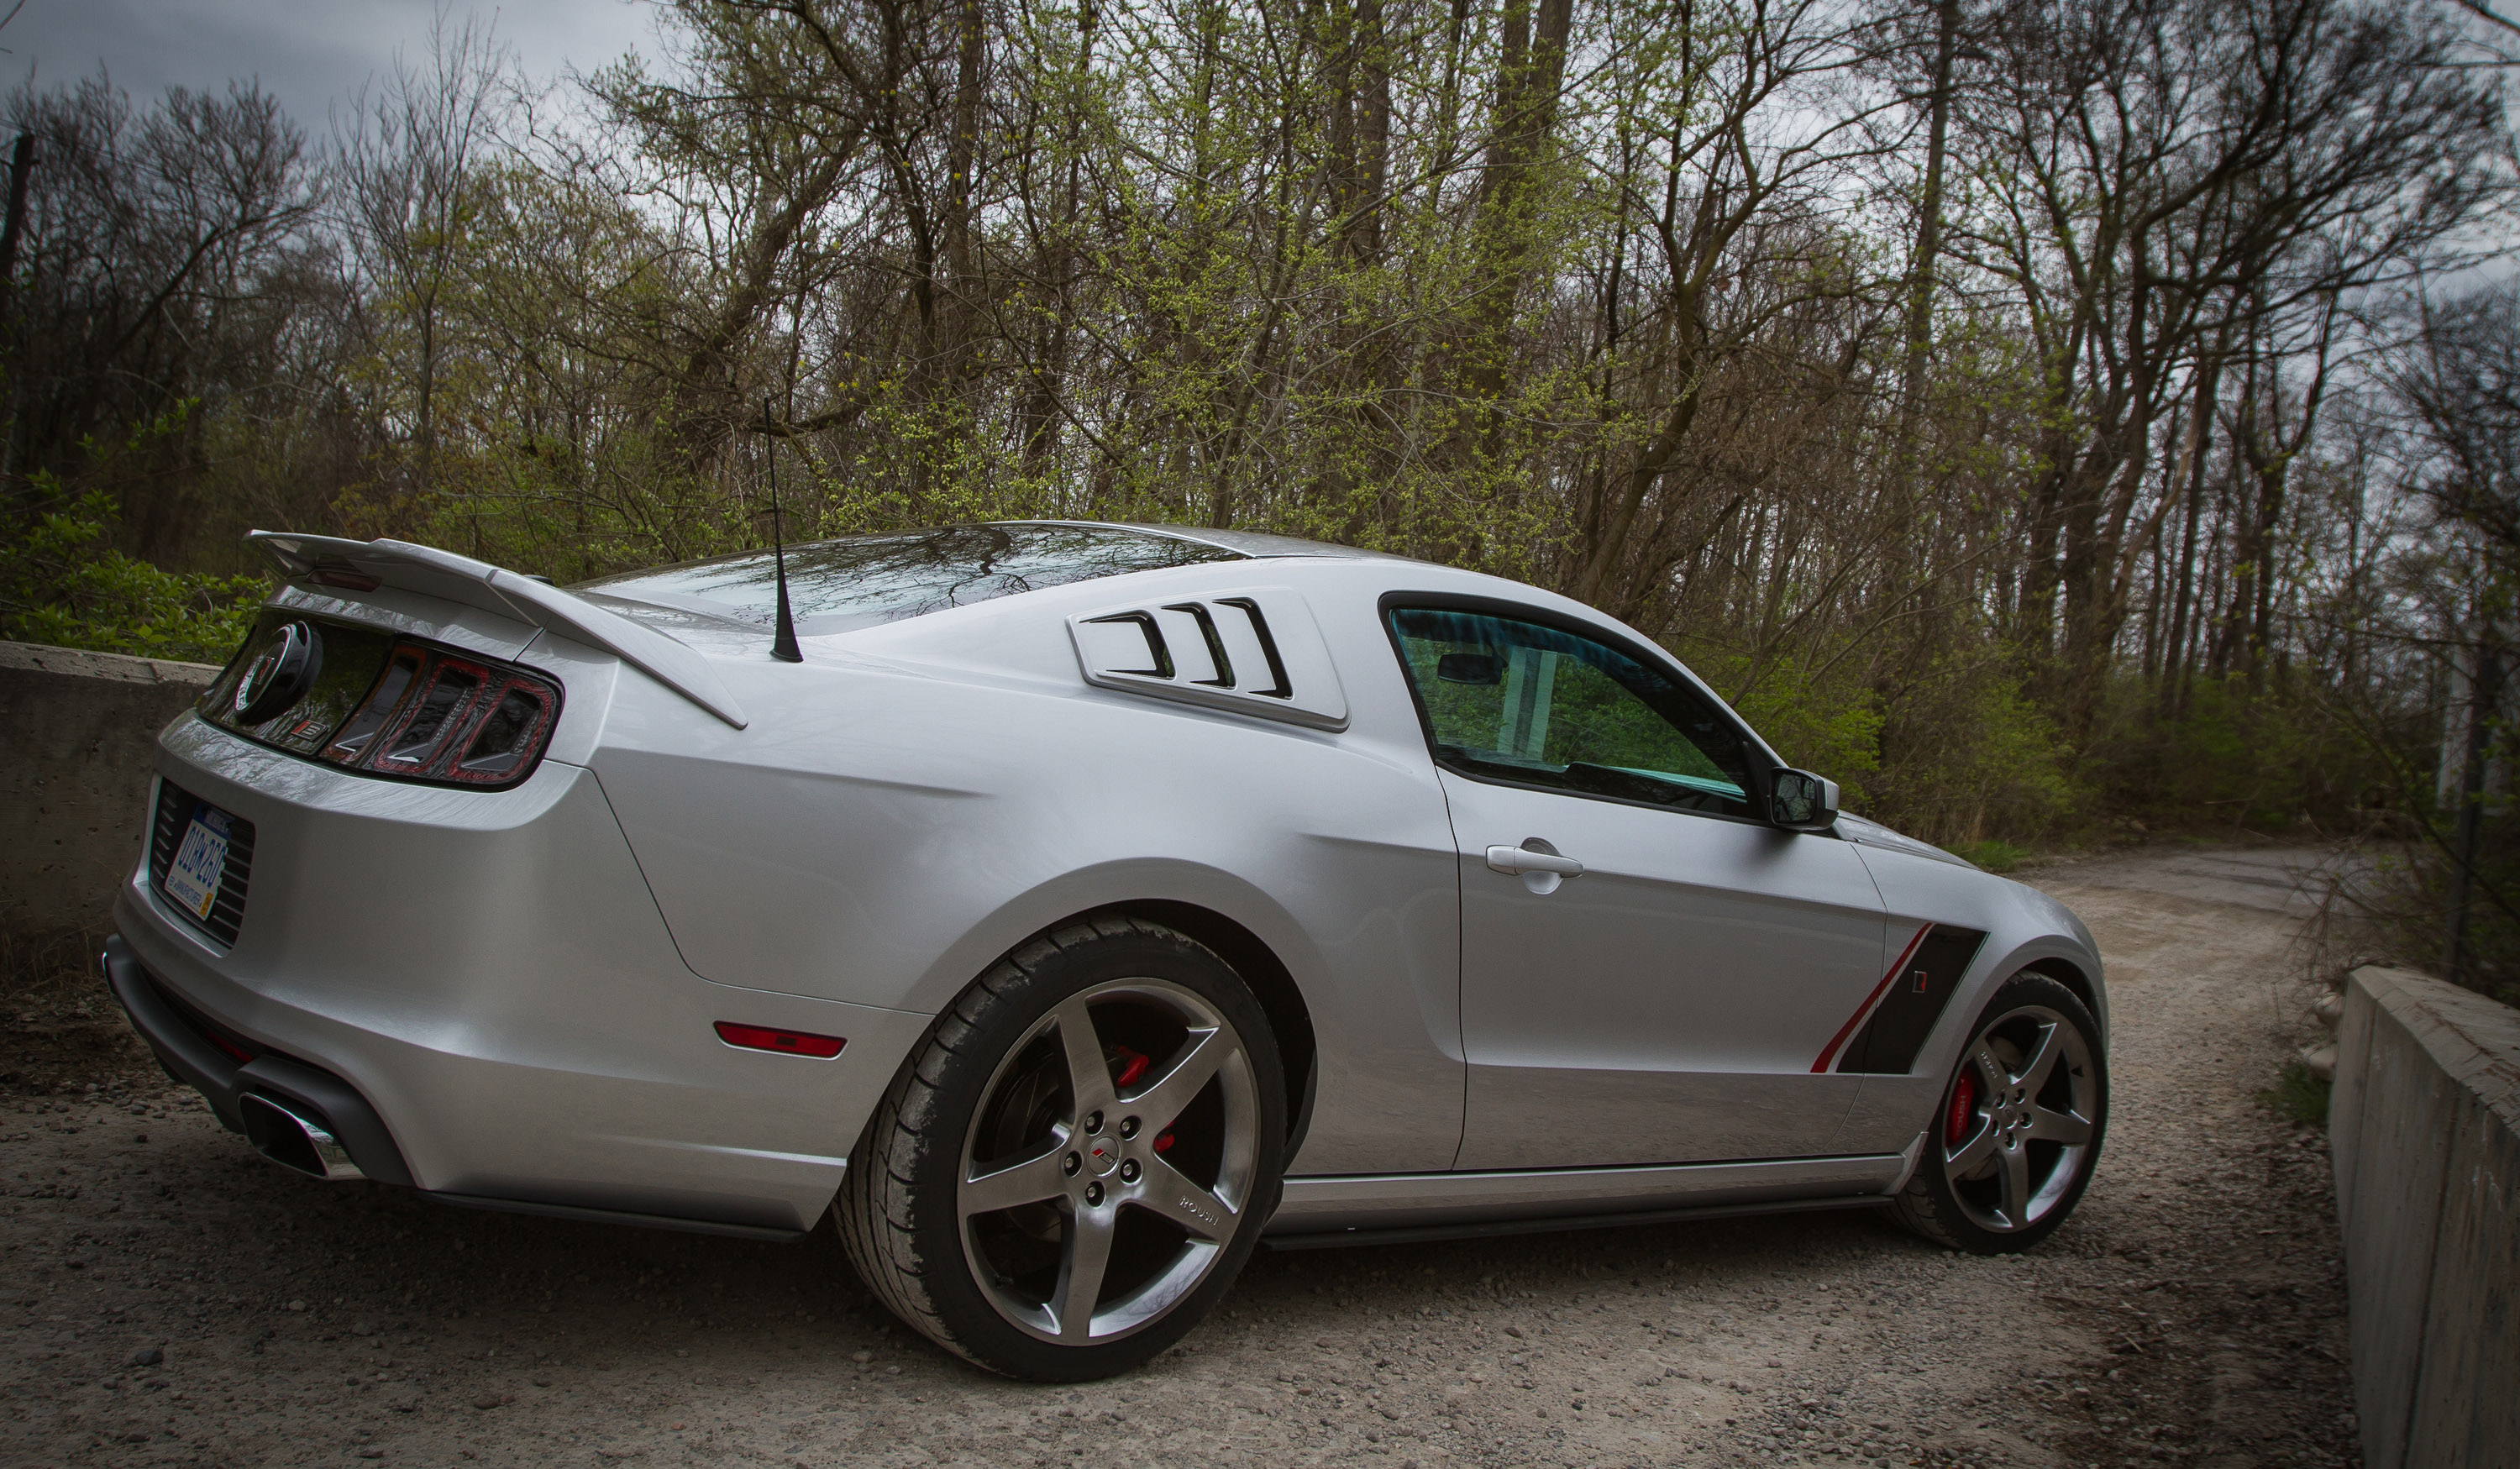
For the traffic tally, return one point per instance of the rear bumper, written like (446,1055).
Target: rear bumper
(475,995)
(185,1048)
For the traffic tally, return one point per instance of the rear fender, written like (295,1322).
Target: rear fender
(1111,885)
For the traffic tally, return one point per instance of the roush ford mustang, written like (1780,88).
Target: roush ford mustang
(1063,908)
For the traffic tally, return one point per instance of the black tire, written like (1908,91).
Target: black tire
(2003,1166)
(993,1081)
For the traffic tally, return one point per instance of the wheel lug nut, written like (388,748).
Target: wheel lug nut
(1093,1193)
(1128,1127)
(1129,1171)
(1092,1123)
(1070,1164)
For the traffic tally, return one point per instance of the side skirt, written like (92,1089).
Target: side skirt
(1343,1238)
(1386,1205)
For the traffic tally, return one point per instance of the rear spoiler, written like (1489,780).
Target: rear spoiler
(364,565)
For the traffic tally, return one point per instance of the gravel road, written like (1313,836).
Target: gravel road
(168,1298)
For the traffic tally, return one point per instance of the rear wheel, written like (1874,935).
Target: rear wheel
(2013,1146)
(1075,1164)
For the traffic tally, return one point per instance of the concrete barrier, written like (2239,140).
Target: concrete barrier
(2426,1121)
(77,735)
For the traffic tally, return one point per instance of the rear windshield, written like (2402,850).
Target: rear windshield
(859,581)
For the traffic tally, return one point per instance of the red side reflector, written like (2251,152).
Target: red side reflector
(793,1042)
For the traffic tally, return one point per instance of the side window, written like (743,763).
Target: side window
(1516,702)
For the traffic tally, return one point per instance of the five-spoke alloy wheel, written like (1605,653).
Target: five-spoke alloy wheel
(1074,1167)
(2012,1145)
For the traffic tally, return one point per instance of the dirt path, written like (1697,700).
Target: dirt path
(167,1298)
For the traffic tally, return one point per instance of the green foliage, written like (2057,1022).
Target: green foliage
(65,584)
(1953,752)
(1830,724)
(62,583)
(1972,758)
(1835,731)
(2233,757)
(2297,1094)
(1994,854)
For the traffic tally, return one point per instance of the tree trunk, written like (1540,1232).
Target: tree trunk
(1930,238)
(962,158)
(1522,121)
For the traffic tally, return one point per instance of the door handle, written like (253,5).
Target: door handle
(1518,860)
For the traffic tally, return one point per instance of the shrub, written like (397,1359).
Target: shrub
(60,583)
(1996,856)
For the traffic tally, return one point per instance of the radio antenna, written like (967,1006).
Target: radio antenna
(783,637)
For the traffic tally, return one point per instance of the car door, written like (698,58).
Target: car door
(1649,973)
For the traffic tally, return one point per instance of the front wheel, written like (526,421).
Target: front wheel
(1078,1161)
(2013,1146)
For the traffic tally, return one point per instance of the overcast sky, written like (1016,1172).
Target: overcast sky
(307,53)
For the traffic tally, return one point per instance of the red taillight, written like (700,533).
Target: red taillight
(339,574)
(438,715)
(788,1042)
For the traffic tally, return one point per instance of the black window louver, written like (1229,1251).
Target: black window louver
(175,808)
(1223,652)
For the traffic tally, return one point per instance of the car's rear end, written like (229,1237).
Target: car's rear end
(389,925)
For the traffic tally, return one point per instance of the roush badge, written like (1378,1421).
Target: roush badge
(278,675)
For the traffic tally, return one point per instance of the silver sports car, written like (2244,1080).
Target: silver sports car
(1063,908)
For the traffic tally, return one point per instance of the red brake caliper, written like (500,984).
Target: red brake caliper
(1132,1066)
(1963,1102)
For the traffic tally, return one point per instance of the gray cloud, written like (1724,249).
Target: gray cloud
(311,54)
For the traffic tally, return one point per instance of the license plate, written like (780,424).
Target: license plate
(201,859)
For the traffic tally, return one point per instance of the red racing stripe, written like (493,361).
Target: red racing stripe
(1829,1053)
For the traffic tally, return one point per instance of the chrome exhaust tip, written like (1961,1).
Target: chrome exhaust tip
(292,1141)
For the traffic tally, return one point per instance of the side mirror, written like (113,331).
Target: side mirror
(1470,668)
(1800,801)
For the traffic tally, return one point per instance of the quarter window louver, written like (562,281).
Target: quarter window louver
(1249,652)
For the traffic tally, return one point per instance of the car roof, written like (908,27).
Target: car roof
(862,581)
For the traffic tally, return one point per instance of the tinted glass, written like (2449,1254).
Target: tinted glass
(451,691)
(351,656)
(1516,702)
(860,581)
(502,741)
